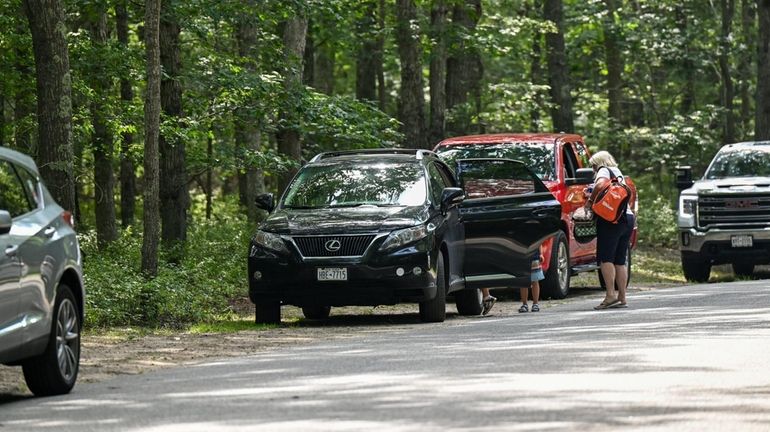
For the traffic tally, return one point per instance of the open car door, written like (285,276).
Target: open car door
(507,213)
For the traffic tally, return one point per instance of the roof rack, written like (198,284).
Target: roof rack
(418,153)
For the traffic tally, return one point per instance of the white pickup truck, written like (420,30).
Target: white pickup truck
(724,218)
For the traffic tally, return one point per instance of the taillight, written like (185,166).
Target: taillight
(69,218)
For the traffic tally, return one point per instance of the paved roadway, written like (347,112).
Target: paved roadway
(686,359)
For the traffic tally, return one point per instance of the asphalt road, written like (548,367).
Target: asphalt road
(688,359)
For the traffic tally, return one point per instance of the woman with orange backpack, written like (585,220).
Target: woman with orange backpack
(614,224)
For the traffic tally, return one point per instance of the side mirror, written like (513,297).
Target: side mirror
(582,176)
(266,202)
(451,197)
(683,177)
(5,222)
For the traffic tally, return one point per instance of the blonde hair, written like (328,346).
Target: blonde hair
(602,158)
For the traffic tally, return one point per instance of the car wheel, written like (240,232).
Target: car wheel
(556,282)
(628,271)
(696,269)
(468,302)
(55,371)
(268,312)
(434,310)
(316,312)
(743,269)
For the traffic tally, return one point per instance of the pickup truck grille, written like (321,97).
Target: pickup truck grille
(333,246)
(734,211)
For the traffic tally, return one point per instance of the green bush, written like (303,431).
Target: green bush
(657,222)
(199,288)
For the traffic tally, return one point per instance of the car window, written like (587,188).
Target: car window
(582,154)
(356,184)
(495,178)
(538,156)
(13,198)
(437,183)
(570,161)
(30,186)
(752,162)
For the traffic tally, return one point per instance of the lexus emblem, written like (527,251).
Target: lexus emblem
(332,245)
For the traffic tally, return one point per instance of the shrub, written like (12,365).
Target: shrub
(657,222)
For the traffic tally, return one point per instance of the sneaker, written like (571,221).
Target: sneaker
(535,308)
(487,304)
(524,308)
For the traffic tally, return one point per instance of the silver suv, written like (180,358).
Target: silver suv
(41,283)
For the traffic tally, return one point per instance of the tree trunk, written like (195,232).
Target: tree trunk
(535,68)
(174,195)
(54,98)
(728,93)
(747,53)
(438,59)
(323,72)
(151,138)
(464,71)
(382,95)
(688,97)
(558,69)
(127,170)
(308,58)
(762,120)
(23,100)
(411,104)
(366,65)
(104,177)
(614,59)
(288,134)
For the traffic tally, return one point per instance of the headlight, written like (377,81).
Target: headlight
(688,205)
(270,241)
(403,237)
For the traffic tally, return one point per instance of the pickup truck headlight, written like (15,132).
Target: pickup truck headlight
(270,241)
(403,237)
(688,205)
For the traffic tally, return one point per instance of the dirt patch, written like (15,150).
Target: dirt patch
(123,352)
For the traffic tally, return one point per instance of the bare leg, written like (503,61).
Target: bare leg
(608,273)
(524,294)
(535,292)
(484,293)
(621,276)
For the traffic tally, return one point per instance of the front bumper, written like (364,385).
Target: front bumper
(716,245)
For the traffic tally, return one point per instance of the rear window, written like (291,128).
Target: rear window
(358,184)
(539,157)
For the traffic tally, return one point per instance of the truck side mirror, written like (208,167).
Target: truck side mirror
(5,222)
(582,176)
(266,202)
(683,177)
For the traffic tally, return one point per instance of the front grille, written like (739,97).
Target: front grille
(349,245)
(734,211)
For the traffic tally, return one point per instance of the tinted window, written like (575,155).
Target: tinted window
(538,156)
(30,186)
(741,163)
(13,198)
(355,184)
(437,183)
(486,179)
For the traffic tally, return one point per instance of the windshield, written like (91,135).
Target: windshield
(745,162)
(357,184)
(538,156)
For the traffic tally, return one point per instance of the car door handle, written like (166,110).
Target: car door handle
(49,232)
(541,212)
(11,251)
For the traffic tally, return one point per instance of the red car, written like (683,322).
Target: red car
(556,159)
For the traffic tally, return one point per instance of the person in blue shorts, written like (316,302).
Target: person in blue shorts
(535,278)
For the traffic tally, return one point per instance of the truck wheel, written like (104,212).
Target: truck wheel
(434,310)
(556,282)
(743,269)
(316,312)
(268,312)
(468,302)
(696,269)
(628,271)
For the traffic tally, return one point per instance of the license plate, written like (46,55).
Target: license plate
(333,274)
(741,241)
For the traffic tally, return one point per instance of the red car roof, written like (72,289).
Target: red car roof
(510,137)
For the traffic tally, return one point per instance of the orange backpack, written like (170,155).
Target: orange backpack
(611,202)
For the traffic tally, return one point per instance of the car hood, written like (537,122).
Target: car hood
(730,185)
(344,220)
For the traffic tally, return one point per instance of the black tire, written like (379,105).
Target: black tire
(434,310)
(743,269)
(695,268)
(468,302)
(628,271)
(268,312)
(316,312)
(556,282)
(48,374)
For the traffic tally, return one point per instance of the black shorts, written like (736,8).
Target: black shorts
(612,240)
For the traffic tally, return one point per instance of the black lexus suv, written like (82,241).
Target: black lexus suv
(374,227)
